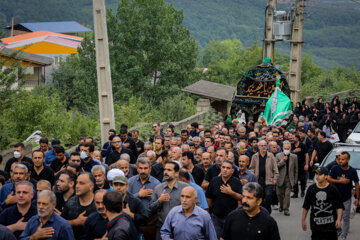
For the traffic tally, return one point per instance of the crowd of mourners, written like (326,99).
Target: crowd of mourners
(220,182)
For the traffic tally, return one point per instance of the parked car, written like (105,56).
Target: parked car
(354,137)
(354,151)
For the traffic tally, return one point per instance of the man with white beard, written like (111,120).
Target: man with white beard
(47,224)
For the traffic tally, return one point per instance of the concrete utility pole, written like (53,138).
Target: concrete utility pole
(269,41)
(296,51)
(106,105)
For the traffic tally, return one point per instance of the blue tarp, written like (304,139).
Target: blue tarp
(56,27)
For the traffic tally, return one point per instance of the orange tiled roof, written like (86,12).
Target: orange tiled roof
(26,36)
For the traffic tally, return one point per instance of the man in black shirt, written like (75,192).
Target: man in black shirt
(326,207)
(302,154)
(19,156)
(61,160)
(157,170)
(187,162)
(80,206)
(118,150)
(250,222)
(138,142)
(223,195)
(95,224)
(128,141)
(17,216)
(99,173)
(39,170)
(215,169)
(322,148)
(133,206)
(65,189)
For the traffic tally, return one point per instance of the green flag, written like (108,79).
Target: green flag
(278,106)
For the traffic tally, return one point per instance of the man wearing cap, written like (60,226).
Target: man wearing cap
(326,207)
(132,206)
(342,176)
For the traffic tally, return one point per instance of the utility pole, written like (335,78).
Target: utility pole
(296,51)
(106,105)
(269,41)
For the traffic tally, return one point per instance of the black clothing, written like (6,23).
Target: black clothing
(223,204)
(198,175)
(46,174)
(301,156)
(60,202)
(72,210)
(119,228)
(238,225)
(115,155)
(308,143)
(157,171)
(322,149)
(4,174)
(324,203)
(249,152)
(88,166)
(140,144)
(11,215)
(6,234)
(106,186)
(12,160)
(132,146)
(95,227)
(137,207)
(215,170)
(56,164)
(151,139)
(262,168)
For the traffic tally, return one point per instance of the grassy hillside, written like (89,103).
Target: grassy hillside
(332,28)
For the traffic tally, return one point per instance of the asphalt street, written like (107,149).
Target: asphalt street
(290,226)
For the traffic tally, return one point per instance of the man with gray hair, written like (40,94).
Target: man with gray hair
(7,192)
(16,217)
(250,219)
(99,173)
(194,219)
(151,155)
(263,164)
(47,224)
(288,173)
(142,185)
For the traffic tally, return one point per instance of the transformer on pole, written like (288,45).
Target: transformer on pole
(286,26)
(106,106)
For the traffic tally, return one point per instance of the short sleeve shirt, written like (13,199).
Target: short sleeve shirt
(223,204)
(324,203)
(337,172)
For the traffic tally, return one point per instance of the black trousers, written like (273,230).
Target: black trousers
(302,178)
(316,235)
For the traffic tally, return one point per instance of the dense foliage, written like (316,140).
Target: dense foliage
(331,33)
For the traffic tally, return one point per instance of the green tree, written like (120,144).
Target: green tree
(75,80)
(229,71)
(220,50)
(151,51)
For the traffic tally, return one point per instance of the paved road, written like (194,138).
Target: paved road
(290,227)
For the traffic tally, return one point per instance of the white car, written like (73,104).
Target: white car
(354,137)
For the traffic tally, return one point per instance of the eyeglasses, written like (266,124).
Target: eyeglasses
(117,142)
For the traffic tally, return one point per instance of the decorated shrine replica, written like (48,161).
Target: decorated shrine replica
(255,88)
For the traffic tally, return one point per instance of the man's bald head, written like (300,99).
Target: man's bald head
(189,190)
